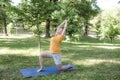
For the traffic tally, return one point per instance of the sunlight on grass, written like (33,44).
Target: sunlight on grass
(28,52)
(93,60)
(96,45)
(107,47)
(3,67)
(90,62)
(104,47)
(17,36)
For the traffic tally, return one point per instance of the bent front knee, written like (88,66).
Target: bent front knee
(40,56)
(59,67)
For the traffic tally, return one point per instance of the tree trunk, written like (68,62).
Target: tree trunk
(39,43)
(38,35)
(111,38)
(47,33)
(86,29)
(55,1)
(4,26)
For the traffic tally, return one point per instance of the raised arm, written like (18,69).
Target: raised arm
(60,25)
(65,27)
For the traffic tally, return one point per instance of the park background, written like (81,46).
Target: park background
(92,41)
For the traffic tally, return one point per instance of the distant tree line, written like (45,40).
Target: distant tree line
(43,16)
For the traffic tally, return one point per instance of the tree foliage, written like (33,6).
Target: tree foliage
(107,24)
(31,14)
(110,28)
(4,8)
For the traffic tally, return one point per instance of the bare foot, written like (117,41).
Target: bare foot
(39,70)
(69,66)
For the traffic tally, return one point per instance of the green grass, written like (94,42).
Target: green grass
(95,60)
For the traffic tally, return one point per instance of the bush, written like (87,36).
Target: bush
(10,28)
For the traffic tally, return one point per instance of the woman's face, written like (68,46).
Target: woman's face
(59,31)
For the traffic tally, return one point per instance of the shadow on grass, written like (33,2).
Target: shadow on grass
(32,43)
(22,43)
(90,52)
(10,65)
(88,39)
(73,53)
(101,71)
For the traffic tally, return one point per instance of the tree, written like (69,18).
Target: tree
(107,25)
(110,28)
(67,12)
(33,13)
(78,12)
(53,6)
(86,9)
(4,5)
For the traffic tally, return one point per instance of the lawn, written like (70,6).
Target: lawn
(95,60)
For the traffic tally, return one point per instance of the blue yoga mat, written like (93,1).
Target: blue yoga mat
(30,72)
